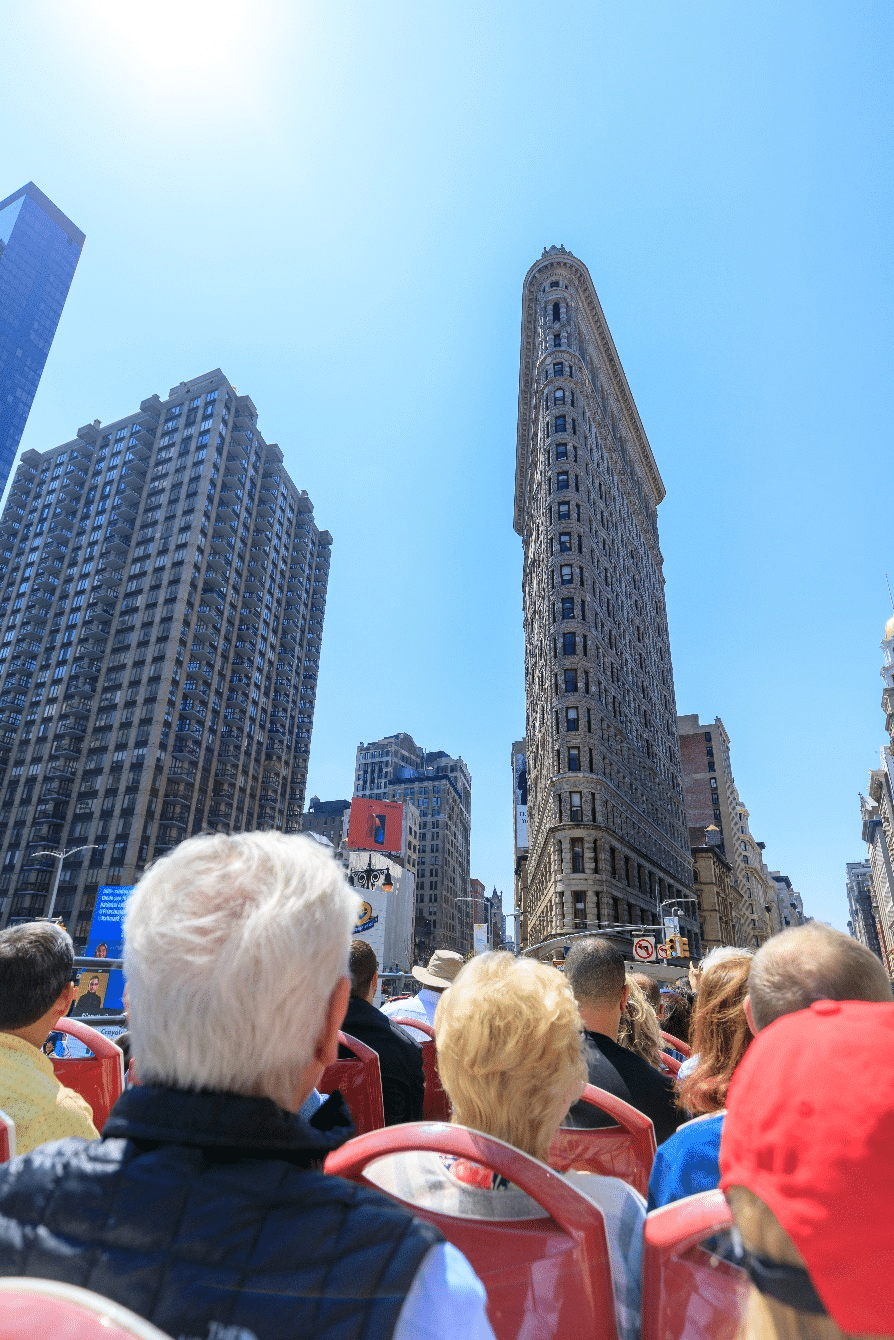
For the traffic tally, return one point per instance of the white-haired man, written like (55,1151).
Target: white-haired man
(204,1207)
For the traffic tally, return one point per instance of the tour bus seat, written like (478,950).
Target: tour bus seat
(65,1312)
(670,1064)
(357,1076)
(687,1290)
(677,1043)
(626,1150)
(436,1106)
(544,1277)
(7,1138)
(98,1078)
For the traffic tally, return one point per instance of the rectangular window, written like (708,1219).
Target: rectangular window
(561,481)
(627,871)
(560,423)
(577,811)
(559,395)
(566,574)
(571,718)
(557,369)
(596,855)
(571,681)
(568,607)
(577,856)
(565,543)
(574,760)
(561,451)
(613,859)
(569,644)
(564,511)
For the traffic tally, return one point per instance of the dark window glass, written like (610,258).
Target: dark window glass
(557,312)
(566,573)
(574,760)
(571,718)
(569,644)
(564,511)
(560,423)
(568,608)
(561,451)
(557,341)
(571,680)
(561,480)
(558,369)
(565,543)
(577,855)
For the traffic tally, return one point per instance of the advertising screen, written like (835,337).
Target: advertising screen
(376,825)
(520,776)
(106,940)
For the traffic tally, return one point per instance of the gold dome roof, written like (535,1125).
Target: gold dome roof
(889,628)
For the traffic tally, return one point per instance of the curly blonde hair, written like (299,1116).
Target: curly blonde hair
(508,1035)
(640,1031)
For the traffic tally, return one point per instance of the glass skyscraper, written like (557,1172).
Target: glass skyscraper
(39,252)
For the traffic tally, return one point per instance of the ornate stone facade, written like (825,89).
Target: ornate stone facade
(607,829)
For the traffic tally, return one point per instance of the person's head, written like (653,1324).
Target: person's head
(639,1031)
(722,954)
(364,969)
(676,1012)
(101,951)
(236,957)
(806,1166)
(93,985)
(509,1049)
(720,1035)
(649,987)
(442,968)
(49,1047)
(36,970)
(594,969)
(808,963)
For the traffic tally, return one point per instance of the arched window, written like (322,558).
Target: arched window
(557,312)
(559,395)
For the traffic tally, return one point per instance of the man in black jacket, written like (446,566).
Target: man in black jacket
(594,969)
(204,1206)
(400,1058)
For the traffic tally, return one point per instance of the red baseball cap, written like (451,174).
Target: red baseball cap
(809,1129)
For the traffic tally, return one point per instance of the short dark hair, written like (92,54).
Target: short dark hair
(649,987)
(36,962)
(363,965)
(812,962)
(594,969)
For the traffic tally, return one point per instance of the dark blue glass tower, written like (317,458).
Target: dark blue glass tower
(39,251)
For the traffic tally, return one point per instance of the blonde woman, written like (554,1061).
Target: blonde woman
(508,1035)
(640,1031)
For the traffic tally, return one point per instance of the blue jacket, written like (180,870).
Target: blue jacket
(208,1211)
(688,1162)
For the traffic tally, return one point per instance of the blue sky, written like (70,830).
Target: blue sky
(337,203)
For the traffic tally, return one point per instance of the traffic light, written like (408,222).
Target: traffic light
(673,946)
(684,946)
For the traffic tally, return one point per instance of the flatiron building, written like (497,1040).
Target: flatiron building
(608,843)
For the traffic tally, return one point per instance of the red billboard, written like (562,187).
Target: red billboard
(376,825)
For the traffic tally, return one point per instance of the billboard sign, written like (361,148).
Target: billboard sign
(520,780)
(479,937)
(376,825)
(98,990)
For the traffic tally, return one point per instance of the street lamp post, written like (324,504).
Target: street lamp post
(368,877)
(62,856)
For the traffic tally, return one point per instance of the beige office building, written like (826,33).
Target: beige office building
(162,589)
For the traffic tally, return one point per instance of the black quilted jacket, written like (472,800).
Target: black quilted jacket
(209,1215)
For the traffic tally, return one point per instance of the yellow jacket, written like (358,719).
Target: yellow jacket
(41,1107)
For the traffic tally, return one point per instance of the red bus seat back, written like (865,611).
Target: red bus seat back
(358,1079)
(670,1064)
(30,1307)
(687,1291)
(7,1138)
(626,1150)
(436,1106)
(98,1078)
(677,1043)
(544,1277)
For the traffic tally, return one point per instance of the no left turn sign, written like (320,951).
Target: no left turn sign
(644,949)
